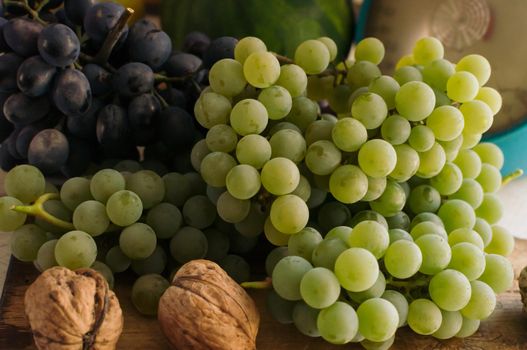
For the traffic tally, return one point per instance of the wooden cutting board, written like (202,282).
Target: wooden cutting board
(506,329)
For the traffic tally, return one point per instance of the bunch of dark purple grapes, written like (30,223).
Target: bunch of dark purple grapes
(78,86)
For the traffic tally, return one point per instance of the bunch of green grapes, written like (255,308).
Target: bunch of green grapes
(374,188)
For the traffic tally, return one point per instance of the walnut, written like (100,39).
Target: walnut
(522,281)
(206,309)
(73,310)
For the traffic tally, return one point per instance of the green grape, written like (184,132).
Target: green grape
(50,188)
(75,191)
(407,74)
(421,217)
(386,87)
(303,190)
(188,244)
(199,151)
(331,46)
(322,130)
(489,178)
(116,260)
(177,188)
(26,242)
(146,292)
(199,212)
(484,230)
(274,236)
(478,117)
(367,215)
(502,241)
(313,56)
(462,87)
(9,219)
(288,144)
(491,208)
(396,129)
(212,109)
(165,219)
(431,162)
(253,150)
(437,72)
(303,112)
(304,242)
(338,324)
(319,288)
(424,198)
(465,235)
(421,138)
(397,234)
(138,241)
(287,276)
(128,165)
(155,263)
(277,100)
(489,153)
(377,158)
(424,317)
(289,214)
(470,191)
(293,78)
(218,244)
(362,73)
(452,148)
(280,309)
(246,46)
(401,304)
(403,259)
(46,255)
(215,167)
(436,253)
(491,97)
(376,187)
(105,271)
(91,217)
(196,184)
(273,258)
(236,267)
(477,65)
(348,184)
(370,235)
(470,140)
(249,116)
(407,163)
(105,183)
(356,269)
(283,125)
(370,109)
(326,252)
(124,208)
(75,249)
(415,100)
(254,222)
(498,273)
(358,92)
(280,176)
(149,186)
(391,201)
(374,291)
(348,134)
(305,319)
(261,69)
(446,122)
(427,227)
(339,232)
(320,87)
(482,302)
(338,98)
(318,196)
(226,77)
(450,290)
(57,209)
(427,50)
(378,319)
(221,138)
(232,209)
(322,157)
(456,213)
(24,182)
(449,180)
(469,163)
(468,328)
(450,325)
(369,49)
(243,181)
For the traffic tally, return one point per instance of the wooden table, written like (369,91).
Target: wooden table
(506,329)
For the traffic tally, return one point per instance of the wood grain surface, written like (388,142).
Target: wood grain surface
(506,329)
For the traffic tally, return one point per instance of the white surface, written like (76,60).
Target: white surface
(514,197)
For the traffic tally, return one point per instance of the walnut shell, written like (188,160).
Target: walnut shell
(522,281)
(206,309)
(73,310)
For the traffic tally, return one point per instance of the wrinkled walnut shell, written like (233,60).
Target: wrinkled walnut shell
(522,281)
(73,310)
(206,309)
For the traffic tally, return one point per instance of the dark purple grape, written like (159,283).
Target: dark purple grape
(196,43)
(84,125)
(101,18)
(176,128)
(143,111)
(61,17)
(34,76)
(24,139)
(79,159)
(71,92)
(153,48)
(181,64)
(48,151)
(7,161)
(58,45)
(222,47)
(174,97)
(22,110)
(11,144)
(202,76)
(159,151)
(3,45)
(139,29)
(112,125)
(9,64)
(100,79)
(133,79)
(21,34)
(6,127)
(121,150)
(155,165)
(76,9)
(181,163)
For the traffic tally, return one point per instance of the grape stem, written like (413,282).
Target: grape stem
(509,177)
(163,102)
(25,5)
(265,284)
(283,59)
(112,38)
(160,78)
(408,285)
(37,209)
